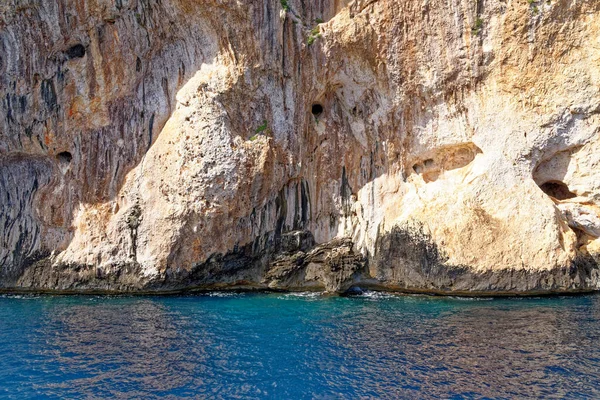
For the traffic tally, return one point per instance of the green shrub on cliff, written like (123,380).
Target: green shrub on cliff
(313,35)
(475,29)
(262,127)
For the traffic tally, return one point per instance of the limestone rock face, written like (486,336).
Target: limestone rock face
(439,146)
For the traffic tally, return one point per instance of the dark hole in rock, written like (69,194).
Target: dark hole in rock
(558,190)
(428,163)
(317,109)
(64,157)
(417,168)
(76,51)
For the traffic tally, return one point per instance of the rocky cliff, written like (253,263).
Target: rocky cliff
(446,146)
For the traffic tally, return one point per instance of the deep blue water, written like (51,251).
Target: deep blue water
(286,346)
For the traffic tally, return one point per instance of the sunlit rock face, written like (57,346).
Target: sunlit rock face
(443,146)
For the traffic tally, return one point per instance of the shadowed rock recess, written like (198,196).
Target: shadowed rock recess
(425,146)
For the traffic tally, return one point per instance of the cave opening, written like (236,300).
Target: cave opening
(316,109)
(64,157)
(558,190)
(77,51)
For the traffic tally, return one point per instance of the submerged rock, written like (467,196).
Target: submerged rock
(418,146)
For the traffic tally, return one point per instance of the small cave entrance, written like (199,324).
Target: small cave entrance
(316,109)
(64,157)
(558,190)
(77,51)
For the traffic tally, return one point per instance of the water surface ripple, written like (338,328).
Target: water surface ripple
(299,346)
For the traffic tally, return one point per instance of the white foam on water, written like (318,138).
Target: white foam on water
(307,295)
(19,296)
(463,298)
(223,294)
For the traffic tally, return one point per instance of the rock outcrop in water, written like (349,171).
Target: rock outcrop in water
(444,146)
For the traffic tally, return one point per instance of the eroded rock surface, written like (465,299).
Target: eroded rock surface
(438,146)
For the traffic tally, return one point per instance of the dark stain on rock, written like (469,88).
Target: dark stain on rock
(9,116)
(346,193)
(150,129)
(48,93)
(281,212)
(133,220)
(23,104)
(305,201)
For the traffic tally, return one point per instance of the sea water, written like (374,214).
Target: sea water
(299,346)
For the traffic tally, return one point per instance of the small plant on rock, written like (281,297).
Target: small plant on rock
(476,28)
(261,130)
(534,7)
(313,35)
(262,127)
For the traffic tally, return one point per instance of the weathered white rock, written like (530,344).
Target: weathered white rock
(174,145)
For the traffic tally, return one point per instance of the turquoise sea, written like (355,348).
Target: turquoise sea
(299,346)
